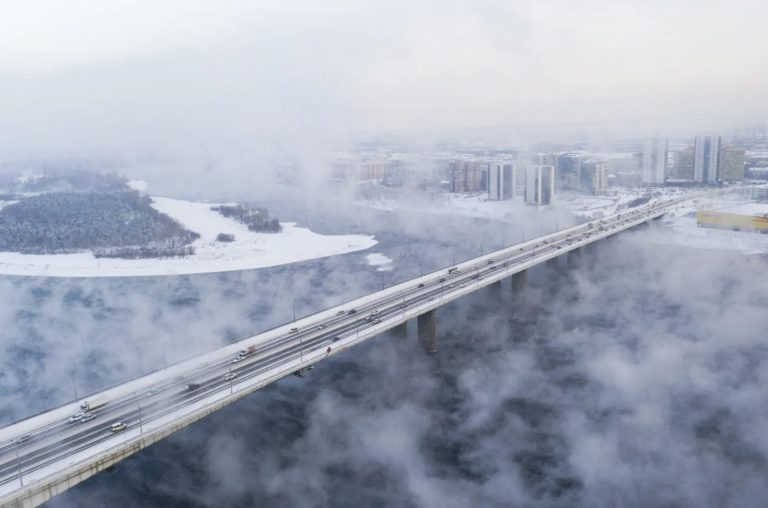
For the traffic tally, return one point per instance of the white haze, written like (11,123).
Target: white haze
(663,406)
(636,380)
(227,90)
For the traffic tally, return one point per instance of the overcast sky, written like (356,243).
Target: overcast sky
(213,75)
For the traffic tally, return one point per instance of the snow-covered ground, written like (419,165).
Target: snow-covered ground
(249,250)
(684,230)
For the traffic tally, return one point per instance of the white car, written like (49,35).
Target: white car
(238,359)
(88,417)
(76,417)
(230,376)
(323,325)
(118,426)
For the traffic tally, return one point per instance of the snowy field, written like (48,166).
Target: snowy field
(249,250)
(683,229)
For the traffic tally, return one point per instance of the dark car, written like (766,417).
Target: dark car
(352,311)
(421,285)
(336,339)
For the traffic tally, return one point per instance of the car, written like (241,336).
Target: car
(230,376)
(463,285)
(450,286)
(323,325)
(76,417)
(152,392)
(432,297)
(442,279)
(376,321)
(336,339)
(521,249)
(242,352)
(341,313)
(369,319)
(421,285)
(294,330)
(88,417)
(375,312)
(118,426)
(353,311)
(238,359)
(21,439)
(490,261)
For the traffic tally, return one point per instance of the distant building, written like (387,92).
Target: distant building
(539,185)
(682,165)
(654,161)
(747,217)
(501,181)
(594,176)
(468,176)
(706,158)
(732,164)
(568,172)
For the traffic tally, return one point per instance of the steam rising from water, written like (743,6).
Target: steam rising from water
(636,380)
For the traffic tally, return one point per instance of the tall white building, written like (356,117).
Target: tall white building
(501,181)
(706,159)
(539,185)
(654,161)
(600,178)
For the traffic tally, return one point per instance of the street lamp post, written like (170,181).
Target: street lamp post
(18,462)
(74,386)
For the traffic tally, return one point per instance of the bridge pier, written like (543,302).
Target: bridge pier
(401,331)
(427,328)
(519,281)
(495,288)
(552,264)
(574,258)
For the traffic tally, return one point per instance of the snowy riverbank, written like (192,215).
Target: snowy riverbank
(249,250)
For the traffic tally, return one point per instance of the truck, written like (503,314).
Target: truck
(245,352)
(93,403)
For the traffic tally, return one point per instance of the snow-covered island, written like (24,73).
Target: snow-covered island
(248,249)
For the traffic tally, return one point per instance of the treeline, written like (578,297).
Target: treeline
(256,219)
(60,180)
(109,223)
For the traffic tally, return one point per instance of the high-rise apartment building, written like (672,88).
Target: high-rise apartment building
(594,176)
(682,165)
(568,172)
(539,184)
(468,176)
(654,161)
(501,181)
(706,159)
(732,164)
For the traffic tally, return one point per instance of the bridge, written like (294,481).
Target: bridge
(48,453)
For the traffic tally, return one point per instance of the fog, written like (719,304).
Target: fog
(224,91)
(633,380)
